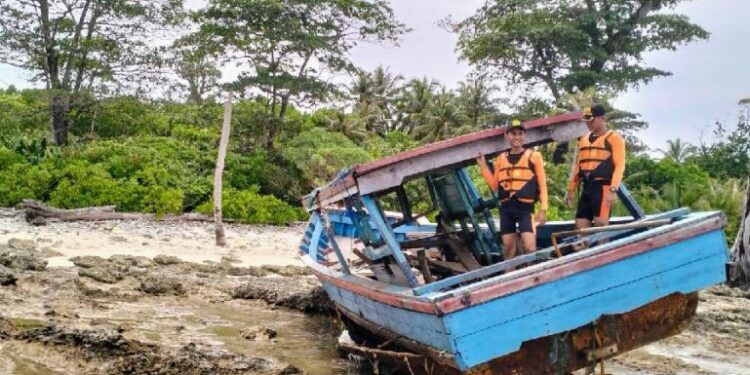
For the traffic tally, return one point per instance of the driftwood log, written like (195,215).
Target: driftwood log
(38,213)
(740,274)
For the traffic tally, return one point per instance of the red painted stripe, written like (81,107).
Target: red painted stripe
(535,279)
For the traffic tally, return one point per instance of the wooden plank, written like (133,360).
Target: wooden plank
(449,266)
(370,289)
(464,255)
(483,272)
(424,266)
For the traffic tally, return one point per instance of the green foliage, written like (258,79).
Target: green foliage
(34,151)
(320,154)
(250,207)
(393,143)
(21,114)
(86,44)
(729,155)
(573,44)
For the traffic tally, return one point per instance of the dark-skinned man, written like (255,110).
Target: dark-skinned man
(599,166)
(519,182)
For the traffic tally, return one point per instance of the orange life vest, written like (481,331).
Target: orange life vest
(516,180)
(595,161)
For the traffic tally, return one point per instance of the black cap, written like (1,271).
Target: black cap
(596,110)
(516,124)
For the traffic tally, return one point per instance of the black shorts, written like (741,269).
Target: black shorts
(593,201)
(515,214)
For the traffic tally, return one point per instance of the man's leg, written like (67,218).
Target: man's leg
(509,246)
(528,232)
(529,241)
(601,218)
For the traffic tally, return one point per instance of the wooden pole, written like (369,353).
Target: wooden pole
(223,142)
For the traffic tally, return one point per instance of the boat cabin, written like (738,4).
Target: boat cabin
(367,222)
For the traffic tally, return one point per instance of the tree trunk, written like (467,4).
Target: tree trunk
(38,213)
(59,107)
(740,275)
(225,129)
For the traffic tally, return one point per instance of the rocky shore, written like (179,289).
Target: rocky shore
(159,298)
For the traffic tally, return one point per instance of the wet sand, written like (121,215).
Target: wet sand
(192,310)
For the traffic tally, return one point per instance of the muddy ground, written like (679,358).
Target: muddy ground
(144,297)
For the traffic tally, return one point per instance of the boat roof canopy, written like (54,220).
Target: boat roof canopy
(390,172)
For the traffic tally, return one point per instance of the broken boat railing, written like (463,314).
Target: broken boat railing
(544,254)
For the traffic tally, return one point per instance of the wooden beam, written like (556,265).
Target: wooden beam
(387,235)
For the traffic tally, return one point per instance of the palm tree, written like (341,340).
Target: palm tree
(362,92)
(347,124)
(475,100)
(678,151)
(374,95)
(413,103)
(444,118)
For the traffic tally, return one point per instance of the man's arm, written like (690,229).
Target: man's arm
(574,175)
(618,158)
(486,173)
(541,178)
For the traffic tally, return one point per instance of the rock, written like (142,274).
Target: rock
(92,292)
(47,252)
(166,260)
(89,261)
(127,261)
(18,244)
(7,328)
(286,270)
(294,293)
(258,333)
(204,268)
(229,259)
(246,271)
(161,285)
(7,277)
(21,259)
(102,274)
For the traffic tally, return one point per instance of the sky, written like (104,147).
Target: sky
(709,77)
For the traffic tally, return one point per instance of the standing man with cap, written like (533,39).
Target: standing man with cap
(519,182)
(599,165)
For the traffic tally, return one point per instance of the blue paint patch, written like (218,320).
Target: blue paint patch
(576,300)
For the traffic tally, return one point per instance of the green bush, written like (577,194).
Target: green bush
(320,154)
(250,207)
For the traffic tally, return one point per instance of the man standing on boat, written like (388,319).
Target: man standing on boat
(599,165)
(519,182)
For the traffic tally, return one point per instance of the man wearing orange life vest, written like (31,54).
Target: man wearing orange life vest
(599,166)
(519,182)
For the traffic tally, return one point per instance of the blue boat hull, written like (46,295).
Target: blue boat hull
(477,335)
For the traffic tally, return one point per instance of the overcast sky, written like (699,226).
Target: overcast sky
(709,77)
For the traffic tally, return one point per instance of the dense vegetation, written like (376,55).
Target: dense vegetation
(80,143)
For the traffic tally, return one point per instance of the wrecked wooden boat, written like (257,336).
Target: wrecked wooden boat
(439,295)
